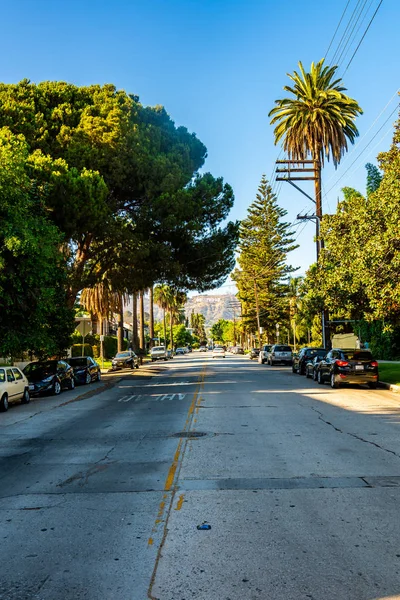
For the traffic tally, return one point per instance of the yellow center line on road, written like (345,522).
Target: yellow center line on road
(170,486)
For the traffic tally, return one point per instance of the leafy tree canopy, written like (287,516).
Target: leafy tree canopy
(33,313)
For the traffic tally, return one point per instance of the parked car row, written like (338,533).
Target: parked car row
(47,376)
(338,366)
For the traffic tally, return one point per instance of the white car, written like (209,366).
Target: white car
(263,356)
(218,352)
(13,386)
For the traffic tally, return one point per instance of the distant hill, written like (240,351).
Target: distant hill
(211,306)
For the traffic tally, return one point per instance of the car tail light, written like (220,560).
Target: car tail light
(342,363)
(374,363)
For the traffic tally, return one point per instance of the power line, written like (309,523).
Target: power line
(362,152)
(345,32)
(365,33)
(358,29)
(350,36)
(337,28)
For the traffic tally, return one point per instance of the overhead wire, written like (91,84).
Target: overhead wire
(365,33)
(337,28)
(351,32)
(345,33)
(357,32)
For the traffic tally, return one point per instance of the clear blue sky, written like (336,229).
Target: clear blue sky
(217,66)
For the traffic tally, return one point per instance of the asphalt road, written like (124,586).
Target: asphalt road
(102,489)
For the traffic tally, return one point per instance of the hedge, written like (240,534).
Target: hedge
(76,350)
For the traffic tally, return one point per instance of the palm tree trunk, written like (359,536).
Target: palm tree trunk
(134,322)
(171,322)
(151,311)
(165,330)
(120,332)
(141,316)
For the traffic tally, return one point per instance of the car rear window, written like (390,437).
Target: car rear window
(357,355)
(2,376)
(78,362)
(267,348)
(283,349)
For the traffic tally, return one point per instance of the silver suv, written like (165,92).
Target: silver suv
(280,354)
(158,353)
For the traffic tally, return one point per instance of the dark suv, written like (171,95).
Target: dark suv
(302,358)
(348,366)
(49,376)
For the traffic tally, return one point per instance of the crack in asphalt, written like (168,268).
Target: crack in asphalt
(354,435)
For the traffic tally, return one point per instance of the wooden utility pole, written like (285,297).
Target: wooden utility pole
(299,167)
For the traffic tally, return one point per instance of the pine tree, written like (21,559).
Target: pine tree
(264,243)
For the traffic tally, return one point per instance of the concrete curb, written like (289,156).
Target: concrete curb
(389,386)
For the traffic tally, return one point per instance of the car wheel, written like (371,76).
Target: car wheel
(56,388)
(98,375)
(319,378)
(26,397)
(314,375)
(372,385)
(333,382)
(4,403)
(88,378)
(137,365)
(71,384)
(308,376)
(293,369)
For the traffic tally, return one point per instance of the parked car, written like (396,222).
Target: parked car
(203,349)
(170,354)
(125,360)
(158,353)
(263,355)
(13,386)
(342,365)
(254,352)
(49,376)
(280,354)
(218,351)
(301,359)
(312,363)
(237,350)
(85,369)
(180,351)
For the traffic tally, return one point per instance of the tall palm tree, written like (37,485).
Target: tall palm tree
(317,121)
(101,301)
(163,299)
(177,302)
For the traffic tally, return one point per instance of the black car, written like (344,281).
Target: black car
(125,360)
(312,364)
(85,369)
(254,352)
(302,358)
(343,365)
(49,376)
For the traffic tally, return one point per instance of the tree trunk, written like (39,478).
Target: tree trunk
(318,213)
(171,322)
(151,318)
(141,316)
(134,322)
(258,314)
(120,331)
(101,343)
(165,330)
(76,278)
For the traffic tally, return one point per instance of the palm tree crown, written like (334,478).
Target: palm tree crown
(319,119)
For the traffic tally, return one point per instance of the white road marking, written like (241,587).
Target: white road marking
(154,398)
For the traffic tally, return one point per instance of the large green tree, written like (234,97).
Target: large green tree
(122,185)
(265,240)
(33,313)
